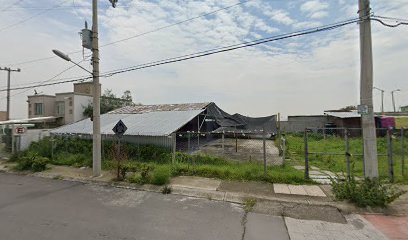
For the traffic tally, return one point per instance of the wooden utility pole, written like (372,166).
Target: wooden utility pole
(366,92)
(9,70)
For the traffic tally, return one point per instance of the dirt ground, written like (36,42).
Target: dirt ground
(243,150)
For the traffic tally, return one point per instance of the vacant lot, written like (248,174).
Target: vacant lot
(243,150)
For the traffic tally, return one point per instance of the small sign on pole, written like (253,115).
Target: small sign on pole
(119,129)
(20,130)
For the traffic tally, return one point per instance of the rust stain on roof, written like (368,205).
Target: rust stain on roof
(140,109)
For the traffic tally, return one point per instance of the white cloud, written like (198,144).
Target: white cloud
(315,9)
(303,75)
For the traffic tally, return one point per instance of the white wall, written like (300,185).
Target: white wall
(32,135)
(80,101)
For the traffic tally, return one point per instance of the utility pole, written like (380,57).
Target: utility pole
(366,92)
(382,99)
(393,100)
(96,148)
(9,70)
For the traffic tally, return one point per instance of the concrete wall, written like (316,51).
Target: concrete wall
(3,115)
(80,102)
(85,88)
(32,135)
(299,123)
(48,105)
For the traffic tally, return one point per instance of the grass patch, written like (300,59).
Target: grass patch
(150,164)
(337,163)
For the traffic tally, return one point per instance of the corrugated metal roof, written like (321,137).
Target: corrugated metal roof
(344,114)
(161,123)
(139,109)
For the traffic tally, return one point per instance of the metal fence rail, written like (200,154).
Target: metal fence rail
(327,145)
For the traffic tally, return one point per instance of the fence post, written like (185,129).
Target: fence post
(13,149)
(223,140)
(402,153)
(236,143)
(306,156)
(188,142)
(119,157)
(52,148)
(264,150)
(173,156)
(283,150)
(390,160)
(347,146)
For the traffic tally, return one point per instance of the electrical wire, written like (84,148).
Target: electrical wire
(387,24)
(48,80)
(391,18)
(136,36)
(31,17)
(206,53)
(233,47)
(11,5)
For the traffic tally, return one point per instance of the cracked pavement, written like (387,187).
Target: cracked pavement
(39,208)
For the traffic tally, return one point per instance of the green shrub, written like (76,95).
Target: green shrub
(39,164)
(33,162)
(160,175)
(136,178)
(365,193)
(76,160)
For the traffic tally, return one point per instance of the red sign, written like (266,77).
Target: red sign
(20,130)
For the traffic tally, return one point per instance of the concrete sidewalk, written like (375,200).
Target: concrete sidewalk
(279,197)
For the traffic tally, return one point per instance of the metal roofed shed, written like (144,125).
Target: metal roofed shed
(154,124)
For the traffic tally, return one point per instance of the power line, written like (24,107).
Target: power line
(136,36)
(174,24)
(11,5)
(31,17)
(389,25)
(208,52)
(48,80)
(391,18)
(233,47)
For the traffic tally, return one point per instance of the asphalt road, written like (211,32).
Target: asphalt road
(37,208)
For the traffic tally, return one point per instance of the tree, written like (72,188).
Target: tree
(109,102)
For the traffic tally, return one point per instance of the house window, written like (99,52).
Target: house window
(60,108)
(70,103)
(38,108)
(70,111)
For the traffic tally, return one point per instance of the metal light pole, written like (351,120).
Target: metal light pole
(393,100)
(366,92)
(382,99)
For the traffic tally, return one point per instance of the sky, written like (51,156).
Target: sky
(298,76)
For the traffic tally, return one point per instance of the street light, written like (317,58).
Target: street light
(68,59)
(392,95)
(382,99)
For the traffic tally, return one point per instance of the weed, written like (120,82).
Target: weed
(249,204)
(58,177)
(166,189)
(373,193)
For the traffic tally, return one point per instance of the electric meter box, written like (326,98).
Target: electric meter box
(86,38)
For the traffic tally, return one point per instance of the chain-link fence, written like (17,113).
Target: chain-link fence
(233,146)
(339,151)
(5,142)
